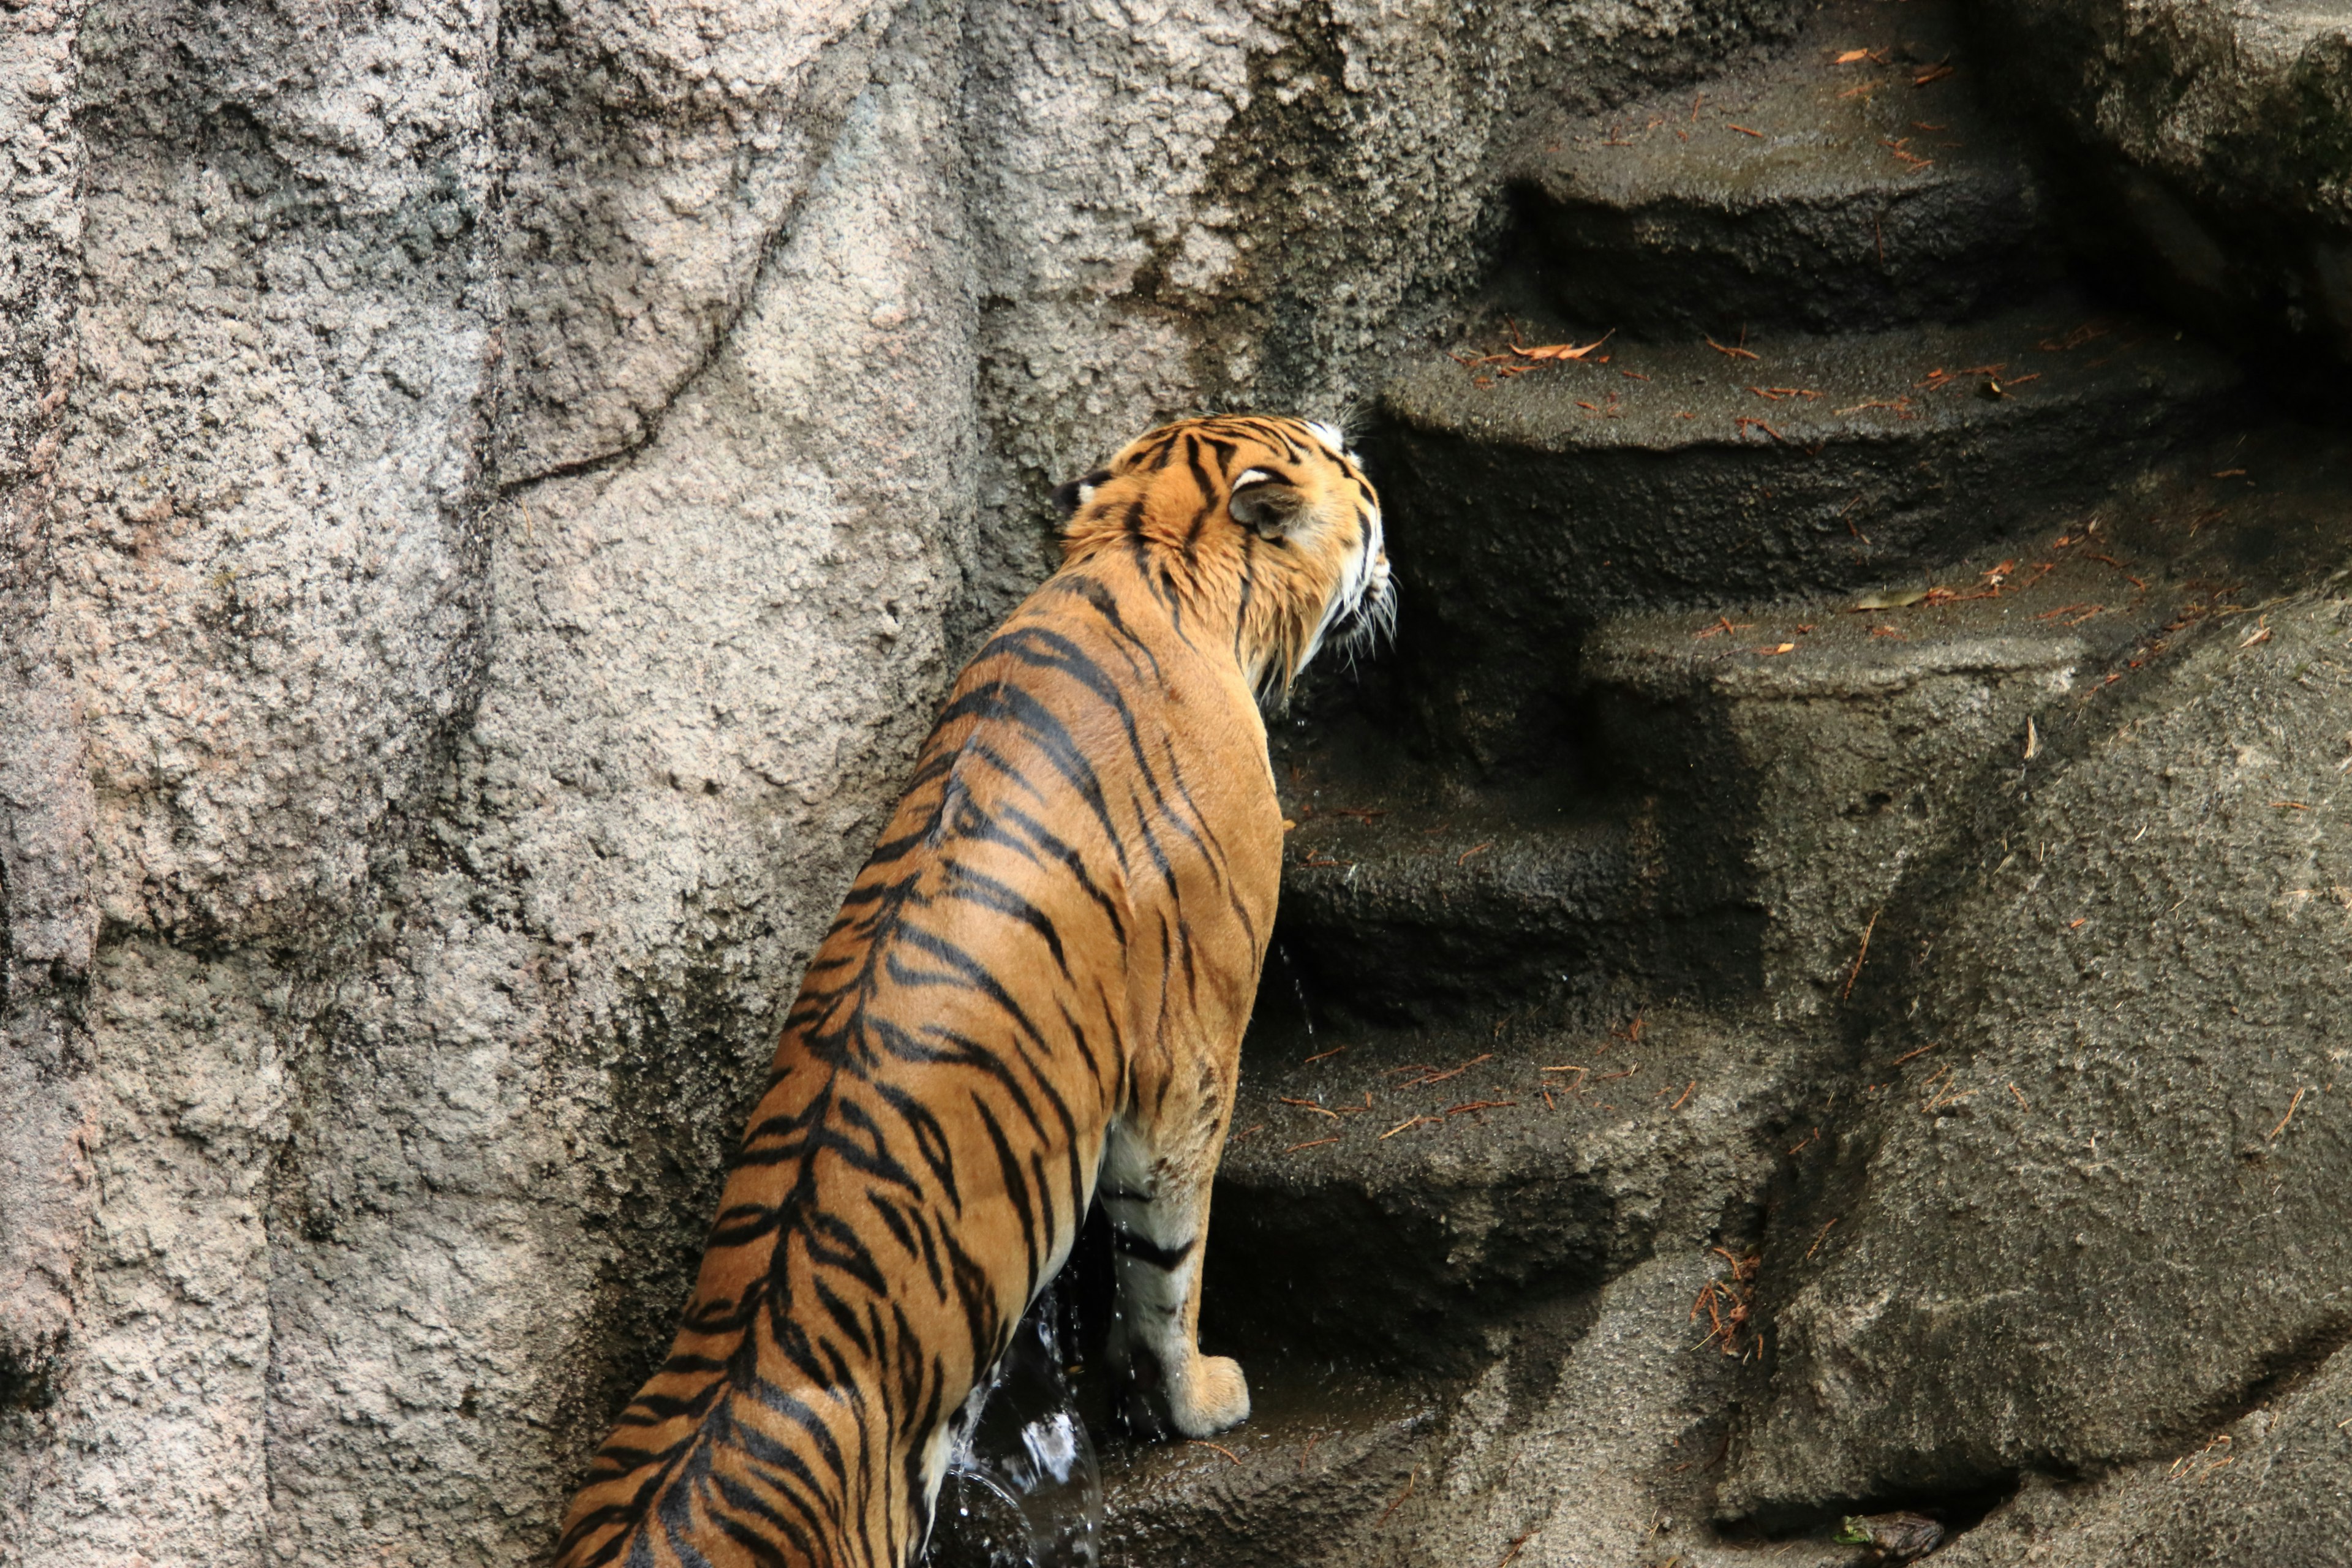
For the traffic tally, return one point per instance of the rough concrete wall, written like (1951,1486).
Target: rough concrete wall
(491,494)
(47,924)
(270,523)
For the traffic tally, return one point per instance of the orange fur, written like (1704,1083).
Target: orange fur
(1034,996)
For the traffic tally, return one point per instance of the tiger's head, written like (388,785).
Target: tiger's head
(1270,520)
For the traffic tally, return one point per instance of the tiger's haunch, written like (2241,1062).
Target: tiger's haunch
(1034,996)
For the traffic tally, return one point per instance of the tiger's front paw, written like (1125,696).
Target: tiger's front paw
(1212,1397)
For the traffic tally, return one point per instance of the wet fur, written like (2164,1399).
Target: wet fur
(1034,996)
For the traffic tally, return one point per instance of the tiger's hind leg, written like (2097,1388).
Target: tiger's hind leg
(1155,1181)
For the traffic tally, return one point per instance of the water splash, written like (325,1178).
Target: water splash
(1023,1490)
(1297,987)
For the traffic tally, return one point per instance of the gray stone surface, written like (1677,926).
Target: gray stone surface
(1494,1183)
(2268,1488)
(48,923)
(2213,146)
(1882,180)
(1862,750)
(2081,1224)
(269,519)
(1820,464)
(1590,1439)
(654,155)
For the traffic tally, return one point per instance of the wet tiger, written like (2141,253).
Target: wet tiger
(1034,996)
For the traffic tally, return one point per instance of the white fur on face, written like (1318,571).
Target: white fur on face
(1363,594)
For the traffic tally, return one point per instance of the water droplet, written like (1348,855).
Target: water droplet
(1298,987)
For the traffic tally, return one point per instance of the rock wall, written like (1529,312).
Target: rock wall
(2210,154)
(491,494)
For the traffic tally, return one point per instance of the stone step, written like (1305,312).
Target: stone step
(1753,785)
(1415,913)
(1867,747)
(1674,476)
(1324,1450)
(1594,1436)
(1799,464)
(1859,160)
(1389,1193)
(1307,1478)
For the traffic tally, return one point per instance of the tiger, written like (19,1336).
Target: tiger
(1032,998)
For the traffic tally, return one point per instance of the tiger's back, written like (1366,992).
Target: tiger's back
(1038,981)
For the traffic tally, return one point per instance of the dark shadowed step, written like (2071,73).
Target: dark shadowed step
(1738,792)
(1679,474)
(1853,182)
(1422,912)
(1386,1193)
(1591,1438)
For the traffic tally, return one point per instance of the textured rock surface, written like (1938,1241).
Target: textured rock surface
(270,523)
(2215,139)
(1892,190)
(2118,1007)
(48,921)
(2268,1488)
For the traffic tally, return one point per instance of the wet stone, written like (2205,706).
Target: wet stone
(1388,1194)
(1860,161)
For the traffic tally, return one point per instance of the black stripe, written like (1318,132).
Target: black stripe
(1249,589)
(1051,650)
(966,972)
(1165,1258)
(963,1051)
(1048,1226)
(1016,1184)
(1208,486)
(1045,840)
(978,887)
(1079,1037)
(1152,458)
(1106,604)
(922,1124)
(1054,741)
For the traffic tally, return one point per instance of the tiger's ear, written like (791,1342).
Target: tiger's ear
(1068,498)
(1264,502)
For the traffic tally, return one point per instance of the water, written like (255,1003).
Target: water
(1297,986)
(1023,1488)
